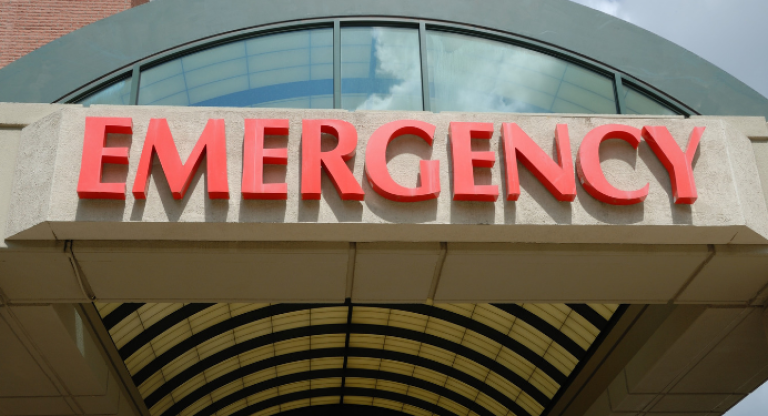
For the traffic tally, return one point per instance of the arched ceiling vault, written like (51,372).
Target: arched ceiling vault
(262,359)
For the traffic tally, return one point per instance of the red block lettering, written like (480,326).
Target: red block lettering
(376,163)
(679,165)
(557,177)
(159,140)
(255,156)
(591,174)
(313,160)
(464,160)
(95,155)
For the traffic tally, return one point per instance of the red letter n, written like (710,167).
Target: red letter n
(95,155)
(179,175)
(558,177)
(333,161)
(255,156)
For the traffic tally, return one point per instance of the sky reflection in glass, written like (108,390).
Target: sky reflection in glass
(475,74)
(292,69)
(636,102)
(380,69)
(118,93)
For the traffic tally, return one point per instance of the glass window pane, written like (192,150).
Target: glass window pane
(292,69)
(475,74)
(118,93)
(636,102)
(380,69)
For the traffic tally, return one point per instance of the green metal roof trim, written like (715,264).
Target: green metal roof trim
(76,59)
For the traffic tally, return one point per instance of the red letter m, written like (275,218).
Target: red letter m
(179,175)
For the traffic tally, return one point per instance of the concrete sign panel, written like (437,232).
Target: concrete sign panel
(156,173)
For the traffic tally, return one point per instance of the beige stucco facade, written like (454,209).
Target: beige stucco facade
(695,275)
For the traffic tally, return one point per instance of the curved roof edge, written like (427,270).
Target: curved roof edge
(62,66)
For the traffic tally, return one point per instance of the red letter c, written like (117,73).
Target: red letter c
(376,163)
(591,174)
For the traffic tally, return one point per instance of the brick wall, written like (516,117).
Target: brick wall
(26,25)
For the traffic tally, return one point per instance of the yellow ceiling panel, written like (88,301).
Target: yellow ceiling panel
(407,320)
(328,341)
(294,387)
(325,383)
(367,341)
(257,354)
(387,404)
(150,314)
(232,408)
(295,405)
(126,330)
(403,345)
(358,400)
(193,384)
(396,367)
(327,363)
(237,309)
(292,345)
(544,383)
(253,330)
(294,367)
(461,388)
(191,410)
(171,337)
(262,395)
(320,401)
(493,317)
(470,367)
(106,308)
(291,320)
(216,344)
(515,362)
(222,368)
(416,411)
(327,316)
(364,363)
(430,375)
(209,317)
(163,405)
(139,359)
(495,407)
(481,344)
(452,406)
(392,386)
(437,354)
(268,412)
(532,406)
(225,391)
(259,376)
(502,385)
(464,309)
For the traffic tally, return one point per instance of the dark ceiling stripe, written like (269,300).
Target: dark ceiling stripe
(338,373)
(254,343)
(337,410)
(218,329)
(235,375)
(308,394)
(493,334)
(120,313)
(590,315)
(161,326)
(543,326)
